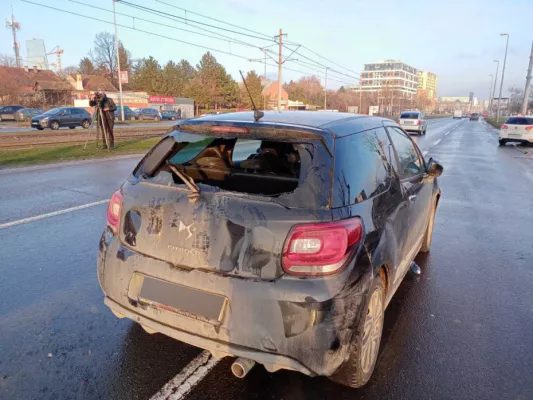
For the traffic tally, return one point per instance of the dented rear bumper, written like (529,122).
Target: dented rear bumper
(288,323)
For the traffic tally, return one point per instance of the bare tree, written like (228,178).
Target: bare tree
(103,55)
(7,61)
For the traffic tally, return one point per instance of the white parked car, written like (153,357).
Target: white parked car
(457,114)
(517,129)
(413,121)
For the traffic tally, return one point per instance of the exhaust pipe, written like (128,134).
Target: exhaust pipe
(241,366)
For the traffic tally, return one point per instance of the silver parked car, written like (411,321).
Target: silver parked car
(413,121)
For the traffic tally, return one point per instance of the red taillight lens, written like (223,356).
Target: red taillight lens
(504,126)
(529,128)
(113,211)
(419,122)
(320,249)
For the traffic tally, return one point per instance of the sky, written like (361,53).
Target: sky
(457,40)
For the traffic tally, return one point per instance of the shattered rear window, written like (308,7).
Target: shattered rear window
(295,172)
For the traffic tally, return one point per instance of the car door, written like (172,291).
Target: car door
(77,116)
(7,112)
(417,188)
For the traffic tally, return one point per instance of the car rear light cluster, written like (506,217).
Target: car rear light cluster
(419,123)
(113,211)
(504,126)
(320,249)
(529,128)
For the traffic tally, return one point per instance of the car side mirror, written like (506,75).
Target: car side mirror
(434,168)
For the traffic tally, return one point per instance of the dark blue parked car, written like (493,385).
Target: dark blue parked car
(62,117)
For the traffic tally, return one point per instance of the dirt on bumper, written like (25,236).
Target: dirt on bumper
(302,325)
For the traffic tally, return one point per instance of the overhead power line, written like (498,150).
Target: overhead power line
(327,59)
(164,36)
(162,13)
(219,37)
(213,19)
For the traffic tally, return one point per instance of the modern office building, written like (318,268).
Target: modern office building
(391,75)
(427,84)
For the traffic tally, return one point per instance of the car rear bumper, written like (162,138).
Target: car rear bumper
(295,324)
(413,128)
(521,138)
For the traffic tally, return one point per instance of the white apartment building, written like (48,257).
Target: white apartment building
(393,75)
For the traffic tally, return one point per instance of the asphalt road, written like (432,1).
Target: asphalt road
(462,330)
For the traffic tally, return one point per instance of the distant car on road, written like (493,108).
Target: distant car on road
(283,248)
(467,115)
(474,117)
(517,129)
(9,112)
(26,114)
(457,114)
(62,117)
(413,121)
(147,113)
(129,114)
(170,115)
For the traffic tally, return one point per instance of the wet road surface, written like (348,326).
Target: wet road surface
(461,330)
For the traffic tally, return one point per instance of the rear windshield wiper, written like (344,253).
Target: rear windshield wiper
(189,182)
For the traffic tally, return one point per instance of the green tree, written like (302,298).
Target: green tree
(218,87)
(148,76)
(86,66)
(176,77)
(253,81)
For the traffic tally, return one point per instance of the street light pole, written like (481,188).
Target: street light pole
(503,74)
(495,83)
(490,91)
(118,61)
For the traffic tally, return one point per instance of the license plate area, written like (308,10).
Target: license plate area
(184,300)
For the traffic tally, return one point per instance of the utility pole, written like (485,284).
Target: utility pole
(326,90)
(490,90)
(528,83)
(14,26)
(503,75)
(280,62)
(494,87)
(118,61)
(360,98)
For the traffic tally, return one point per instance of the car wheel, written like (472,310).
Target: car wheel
(141,118)
(156,119)
(54,125)
(27,119)
(428,236)
(364,348)
(72,127)
(86,124)
(173,118)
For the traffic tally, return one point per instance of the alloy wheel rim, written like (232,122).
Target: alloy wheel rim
(372,332)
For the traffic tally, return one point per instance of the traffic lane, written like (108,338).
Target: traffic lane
(437,129)
(51,303)
(29,192)
(463,328)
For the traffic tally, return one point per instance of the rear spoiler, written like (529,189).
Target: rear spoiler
(255,130)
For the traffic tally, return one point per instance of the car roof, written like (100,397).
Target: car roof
(333,124)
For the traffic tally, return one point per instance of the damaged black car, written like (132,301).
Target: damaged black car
(279,241)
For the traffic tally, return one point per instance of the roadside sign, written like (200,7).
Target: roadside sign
(123,76)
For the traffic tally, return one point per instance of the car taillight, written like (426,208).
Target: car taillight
(529,128)
(419,122)
(113,211)
(320,249)
(504,126)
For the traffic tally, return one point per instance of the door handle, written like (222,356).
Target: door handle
(412,197)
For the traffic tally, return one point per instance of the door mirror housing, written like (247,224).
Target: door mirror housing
(434,168)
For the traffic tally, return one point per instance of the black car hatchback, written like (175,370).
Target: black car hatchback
(279,242)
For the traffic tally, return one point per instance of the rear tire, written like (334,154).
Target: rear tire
(156,119)
(364,348)
(27,119)
(54,125)
(428,236)
(86,124)
(502,142)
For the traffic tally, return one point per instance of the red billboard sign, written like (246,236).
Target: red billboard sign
(123,76)
(161,99)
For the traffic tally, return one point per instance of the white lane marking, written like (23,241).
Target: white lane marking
(52,214)
(188,378)
(424,153)
(437,142)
